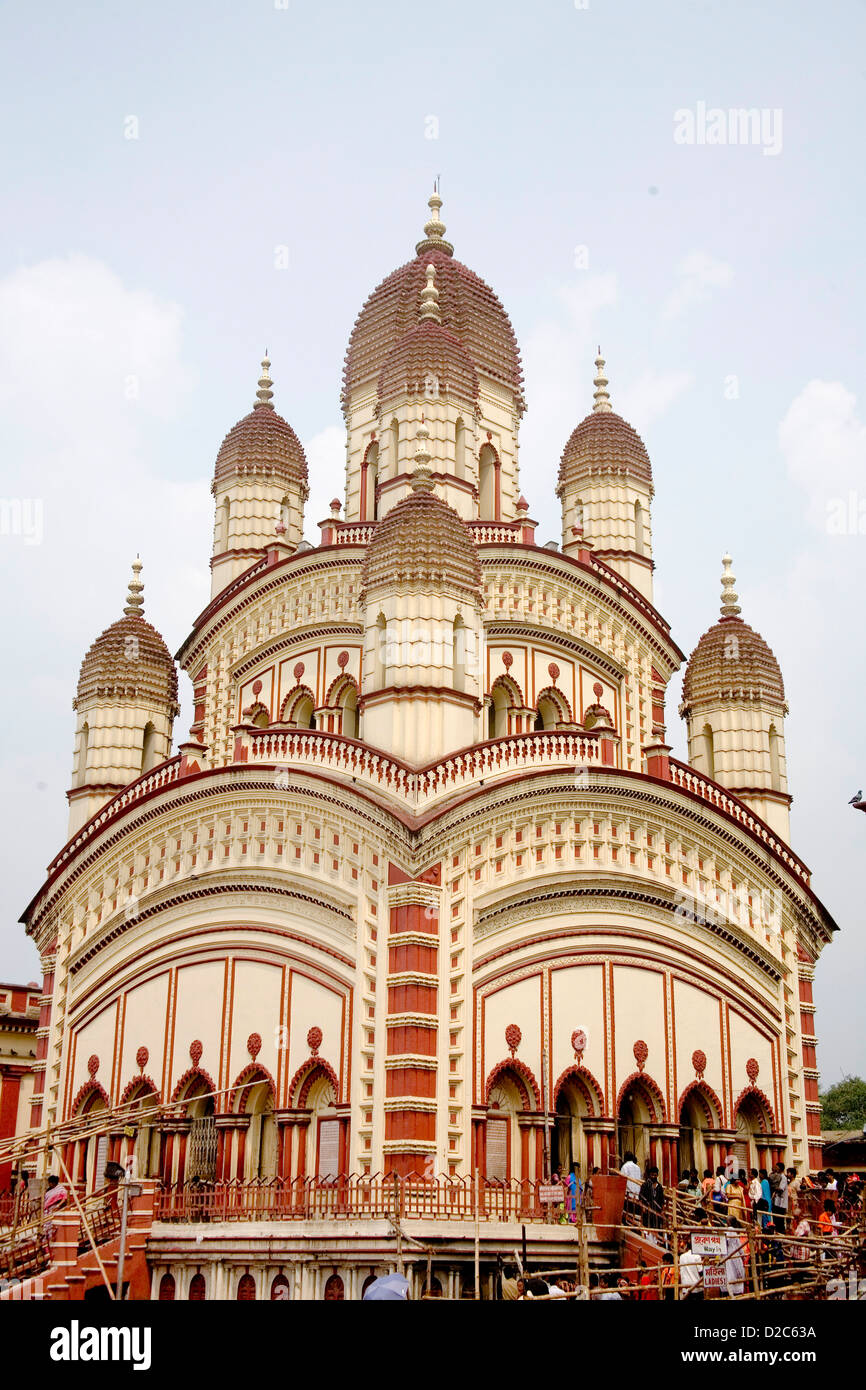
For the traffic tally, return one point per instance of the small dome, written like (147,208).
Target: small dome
(603,443)
(422,541)
(732,661)
(428,350)
(263,443)
(470,310)
(130,660)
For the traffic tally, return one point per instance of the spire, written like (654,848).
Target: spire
(730,607)
(264,395)
(602,399)
(434,229)
(134,602)
(430,297)
(422,477)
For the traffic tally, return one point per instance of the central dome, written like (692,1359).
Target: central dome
(469,309)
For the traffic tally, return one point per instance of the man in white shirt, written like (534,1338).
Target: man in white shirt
(691,1272)
(631,1171)
(553,1288)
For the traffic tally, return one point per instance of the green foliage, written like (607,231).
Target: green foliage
(844,1105)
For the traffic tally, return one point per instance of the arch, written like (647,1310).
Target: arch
(370,481)
(299,708)
(138,1088)
(460,449)
(193,1077)
(552,709)
(586,1083)
(488,467)
(309,1072)
(246,1289)
(252,1075)
(639,532)
(197,1289)
(380,655)
(653,1096)
(523,1078)
(458,653)
(370,1279)
(343,694)
(334,1290)
(83,751)
(754,1099)
(258,715)
(280,1290)
(708,1101)
(775,759)
(224,517)
(166,1289)
(88,1096)
(148,747)
(395,446)
(709,751)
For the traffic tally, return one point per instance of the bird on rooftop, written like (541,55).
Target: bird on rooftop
(856,799)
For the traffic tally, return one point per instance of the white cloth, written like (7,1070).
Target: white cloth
(691,1270)
(780,1196)
(735,1269)
(555,1291)
(755,1193)
(631,1171)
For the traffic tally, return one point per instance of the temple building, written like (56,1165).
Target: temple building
(424,892)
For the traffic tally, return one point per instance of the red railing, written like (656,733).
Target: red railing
(353,1197)
(687,779)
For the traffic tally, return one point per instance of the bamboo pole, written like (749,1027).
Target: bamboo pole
(86,1225)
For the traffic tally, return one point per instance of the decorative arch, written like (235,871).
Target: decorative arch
(555,697)
(191,1075)
(512,689)
(712,1106)
(307,1073)
(86,1095)
(523,1077)
(295,698)
(138,1088)
(653,1093)
(586,1083)
(252,1075)
(505,695)
(338,688)
(762,1105)
(258,715)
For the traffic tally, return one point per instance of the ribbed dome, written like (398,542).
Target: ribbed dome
(130,660)
(263,443)
(732,661)
(422,541)
(603,443)
(469,308)
(429,350)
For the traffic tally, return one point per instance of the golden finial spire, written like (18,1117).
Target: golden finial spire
(730,607)
(430,297)
(434,229)
(134,607)
(264,395)
(602,398)
(422,477)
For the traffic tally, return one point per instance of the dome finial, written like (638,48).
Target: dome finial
(434,228)
(134,607)
(602,398)
(430,297)
(730,607)
(264,395)
(422,477)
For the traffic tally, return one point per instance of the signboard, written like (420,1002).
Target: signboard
(550,1192)
(714,1277)
(709,1243)
(497,1150)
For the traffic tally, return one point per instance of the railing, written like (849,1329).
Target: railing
(162,776)
(418,786)
(352,532)
(350,1197)
(496,532)
(688,780)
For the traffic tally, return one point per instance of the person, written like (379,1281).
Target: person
(735,1269)
(691,1272)
(510,1284)
(827,1223)
(573,1184)
(536,1288)
(779,1189)
(718,1193)
(800,1253)
(553,1287)
(652,1197)
(668,1277)
(647,1283)
(608,1293)
(755,1192)
(832,1184)
(794,1185)
(631,1171)
(766,1192)
(56,1195)
(763,1215)
(735,1196)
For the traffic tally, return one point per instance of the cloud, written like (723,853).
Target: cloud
(699,274)
(651,395)
(823,441)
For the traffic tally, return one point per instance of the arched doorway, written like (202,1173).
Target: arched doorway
(753,1117)
(640,1108)
(699,1110)
(334,1291)
(576,1098)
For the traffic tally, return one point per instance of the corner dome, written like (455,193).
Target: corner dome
(422,541)
(603,442)
(732,661)
(262,443)
(129,660)
(470,310)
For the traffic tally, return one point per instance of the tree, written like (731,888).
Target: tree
(843,1106)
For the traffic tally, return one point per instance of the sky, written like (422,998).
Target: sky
(185,186)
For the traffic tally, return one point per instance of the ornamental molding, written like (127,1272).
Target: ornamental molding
(300,637)
(500,629)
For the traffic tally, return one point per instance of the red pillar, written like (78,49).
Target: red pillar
(10,1087)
